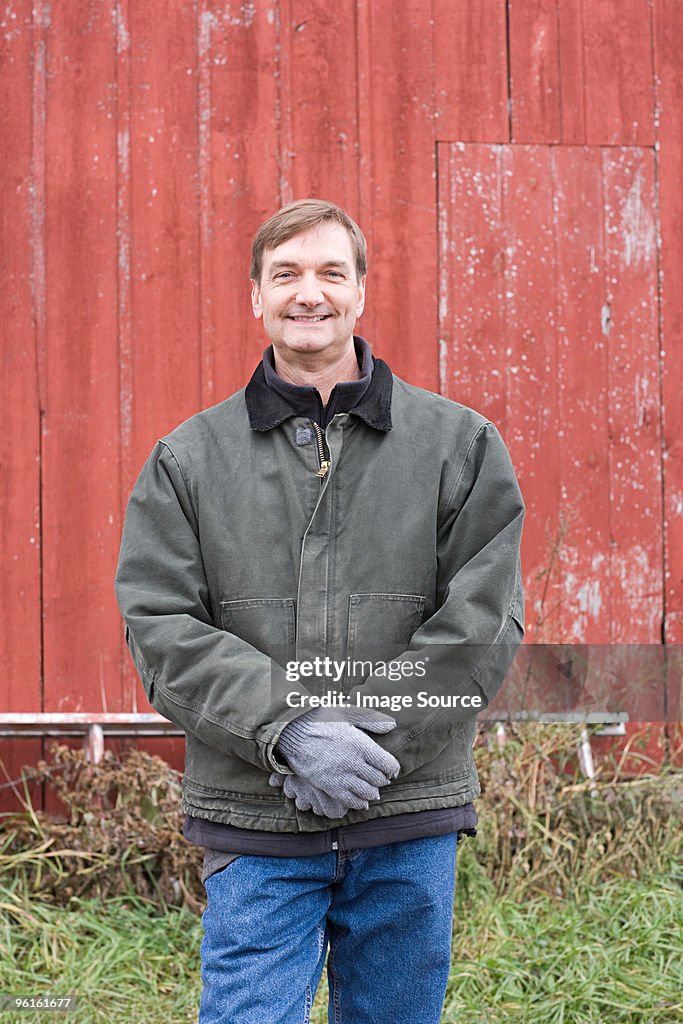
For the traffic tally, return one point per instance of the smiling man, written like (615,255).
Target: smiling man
(310,294)
(328,514)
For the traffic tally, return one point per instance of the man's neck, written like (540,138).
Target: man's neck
(320,375)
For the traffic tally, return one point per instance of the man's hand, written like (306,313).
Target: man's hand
(308,797)
(329,750)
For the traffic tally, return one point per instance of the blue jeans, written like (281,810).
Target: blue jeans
(385,912)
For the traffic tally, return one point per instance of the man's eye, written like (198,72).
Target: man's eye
(284,275)
(334,273)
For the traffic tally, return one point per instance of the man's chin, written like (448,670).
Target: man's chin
(303,344)
(310,342)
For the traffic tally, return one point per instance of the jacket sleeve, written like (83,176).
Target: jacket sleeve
(204,679)
(467,646)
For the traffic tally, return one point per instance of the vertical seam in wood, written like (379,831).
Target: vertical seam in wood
(283,98)
(365,165)
(503,155)
(435,185)
(277,61)
(583,76)
(508,58)
(441,369)
(653,65)
(660,336)
(40,21)
(559,394)
(357,147)
(123,285)
(558,28)
(607,297)
(199,211)
(41,14)
(203,26)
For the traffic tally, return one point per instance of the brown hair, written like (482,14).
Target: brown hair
(293,219)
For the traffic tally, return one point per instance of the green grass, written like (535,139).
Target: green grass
(612,953)
(125,961)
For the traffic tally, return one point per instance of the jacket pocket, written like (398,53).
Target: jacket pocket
(381,625)
(267,623)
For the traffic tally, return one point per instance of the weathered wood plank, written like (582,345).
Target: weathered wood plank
(634,414)
(398,184)
(472,277)
(617,64)
(669,103)
(128,459)
(164,222)
(583,394)
(158,239)
(498,258)
(80,448)
(571,59)
(319,52)
(535,94)
(530,364)
(669,79)
(470,62)
(22,312)
(239,179)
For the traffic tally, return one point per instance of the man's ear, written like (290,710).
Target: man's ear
(256,307)
(360,306)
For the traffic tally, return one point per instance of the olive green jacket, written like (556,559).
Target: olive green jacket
(238,557)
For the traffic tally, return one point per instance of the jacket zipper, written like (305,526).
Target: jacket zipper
(322,458)
(322,473)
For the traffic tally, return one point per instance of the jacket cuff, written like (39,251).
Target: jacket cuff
(271,734)
(276,765)
(273,758)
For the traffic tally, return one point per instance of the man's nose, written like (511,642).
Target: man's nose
(309,292)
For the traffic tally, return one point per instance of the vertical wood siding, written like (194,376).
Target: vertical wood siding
(517,170)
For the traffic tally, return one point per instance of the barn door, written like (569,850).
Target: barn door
(548,311)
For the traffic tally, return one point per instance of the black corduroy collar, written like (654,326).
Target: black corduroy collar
(267,408)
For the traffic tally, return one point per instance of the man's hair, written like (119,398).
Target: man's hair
(293,219)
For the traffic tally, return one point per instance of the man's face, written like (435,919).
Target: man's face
(308,295)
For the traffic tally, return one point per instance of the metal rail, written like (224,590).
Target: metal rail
(92,726)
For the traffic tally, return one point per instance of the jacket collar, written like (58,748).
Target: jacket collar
(267,408)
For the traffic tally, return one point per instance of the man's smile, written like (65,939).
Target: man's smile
(302,318)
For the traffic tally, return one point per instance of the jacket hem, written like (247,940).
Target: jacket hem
(286,818)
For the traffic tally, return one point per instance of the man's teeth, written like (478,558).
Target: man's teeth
(310,319)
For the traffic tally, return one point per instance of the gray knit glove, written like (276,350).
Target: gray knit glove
(308,797)
(329,749)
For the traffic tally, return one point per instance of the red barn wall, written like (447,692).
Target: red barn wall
(516,168)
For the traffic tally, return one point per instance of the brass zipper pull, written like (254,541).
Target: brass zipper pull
(324,462)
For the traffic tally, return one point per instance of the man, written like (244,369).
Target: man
(326,517)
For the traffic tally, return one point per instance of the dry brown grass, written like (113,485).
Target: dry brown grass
(121,832)
(541,830)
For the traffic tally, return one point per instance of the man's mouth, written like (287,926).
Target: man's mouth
(310,319)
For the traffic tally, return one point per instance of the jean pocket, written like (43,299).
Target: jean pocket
(215,861)
(267,623)
(381,625)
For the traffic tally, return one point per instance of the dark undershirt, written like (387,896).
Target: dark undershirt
(306,401)
(223,843)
